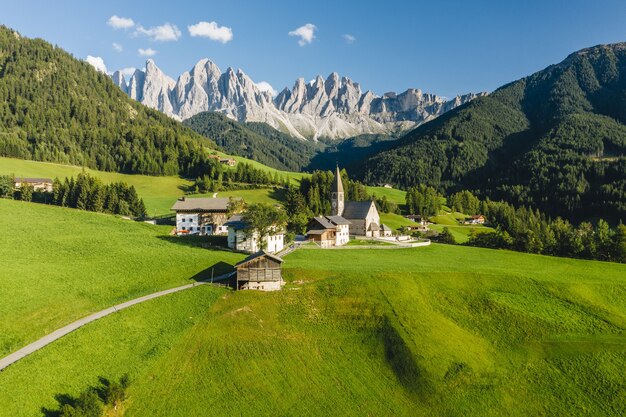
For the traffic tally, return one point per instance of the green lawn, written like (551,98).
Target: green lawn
(395,221)
(368,242)
(61,264)
(293,176)
(158,193)
(393,195)
(127,342)
(440,330)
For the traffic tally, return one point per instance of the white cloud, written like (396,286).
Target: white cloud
(349,38)
(306,33)
(212,31)
(147,52)
(97,63)
(118,47)
(117,22)
(265,86)
(164,33)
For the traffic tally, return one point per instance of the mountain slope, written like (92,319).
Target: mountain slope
(56,108)
(332,108)
(555,140)
(256,141)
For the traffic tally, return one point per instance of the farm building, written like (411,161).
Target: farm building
(242,240)
(228,161)
(477,219)
(38,184)
(201,216)
(329,231)
(260,271)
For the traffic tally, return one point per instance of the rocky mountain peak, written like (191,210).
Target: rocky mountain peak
(334,107)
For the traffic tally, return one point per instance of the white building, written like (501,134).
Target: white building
(38,184)
(329,231)
(241,240)
(201,216)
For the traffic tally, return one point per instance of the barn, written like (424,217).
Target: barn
(260,271)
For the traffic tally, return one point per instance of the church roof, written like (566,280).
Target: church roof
(356,209)
(338,185)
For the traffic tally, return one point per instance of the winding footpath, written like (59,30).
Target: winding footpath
(57,334)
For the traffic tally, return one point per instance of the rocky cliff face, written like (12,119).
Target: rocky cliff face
(332,108)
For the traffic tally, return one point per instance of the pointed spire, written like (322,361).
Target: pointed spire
(338,186)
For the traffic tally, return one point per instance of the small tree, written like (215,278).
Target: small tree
(26,192)
(446,237)
(263,219)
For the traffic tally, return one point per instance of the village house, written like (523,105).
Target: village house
(329,231)
(477,219)
(242,240)
(228,161)
(201,216)
(38,184)
(260,271)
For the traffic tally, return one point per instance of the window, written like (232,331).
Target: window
(184,228)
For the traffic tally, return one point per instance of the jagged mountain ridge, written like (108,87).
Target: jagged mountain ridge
(332,108)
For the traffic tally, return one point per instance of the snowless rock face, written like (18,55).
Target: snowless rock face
(333,108)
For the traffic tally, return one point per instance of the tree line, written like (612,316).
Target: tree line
(524,229)
(245,175)
(85,193)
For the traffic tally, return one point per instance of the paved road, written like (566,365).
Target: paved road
(57,334)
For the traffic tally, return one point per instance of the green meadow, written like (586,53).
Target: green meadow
(439,330)
(158,193)
(61,264)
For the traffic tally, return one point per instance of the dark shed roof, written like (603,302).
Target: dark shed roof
(257,255)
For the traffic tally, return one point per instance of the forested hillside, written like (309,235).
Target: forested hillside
(555,140)
(56,108)
(257,141)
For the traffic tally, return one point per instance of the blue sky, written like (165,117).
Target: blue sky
(445,47)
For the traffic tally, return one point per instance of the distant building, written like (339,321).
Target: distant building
(260,271)
(387,186)
(362,215)
(228,161)
(242,240)
(477,219)
(329,231)
(422,220)
(201,216)
(38,184)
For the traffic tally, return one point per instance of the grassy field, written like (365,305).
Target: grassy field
(393,195)
(159,193)
(439,330)
(60,264)
(293,176)
(395,221)
(126,342)
(461,233)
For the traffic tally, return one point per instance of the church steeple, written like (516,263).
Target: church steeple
(336,197)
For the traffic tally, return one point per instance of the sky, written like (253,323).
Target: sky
(446,47)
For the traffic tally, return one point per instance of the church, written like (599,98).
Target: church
(360,218)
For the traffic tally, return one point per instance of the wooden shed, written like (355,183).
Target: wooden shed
(260,271)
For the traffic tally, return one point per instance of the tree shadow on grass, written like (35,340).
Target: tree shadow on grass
(207,242)
(65,401)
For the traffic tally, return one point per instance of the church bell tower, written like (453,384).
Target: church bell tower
(336,197)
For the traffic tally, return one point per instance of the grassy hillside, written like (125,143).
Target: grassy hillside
(441,330)
(158,193)
(126,342)
(257,141)
(560,132)
(61,264)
